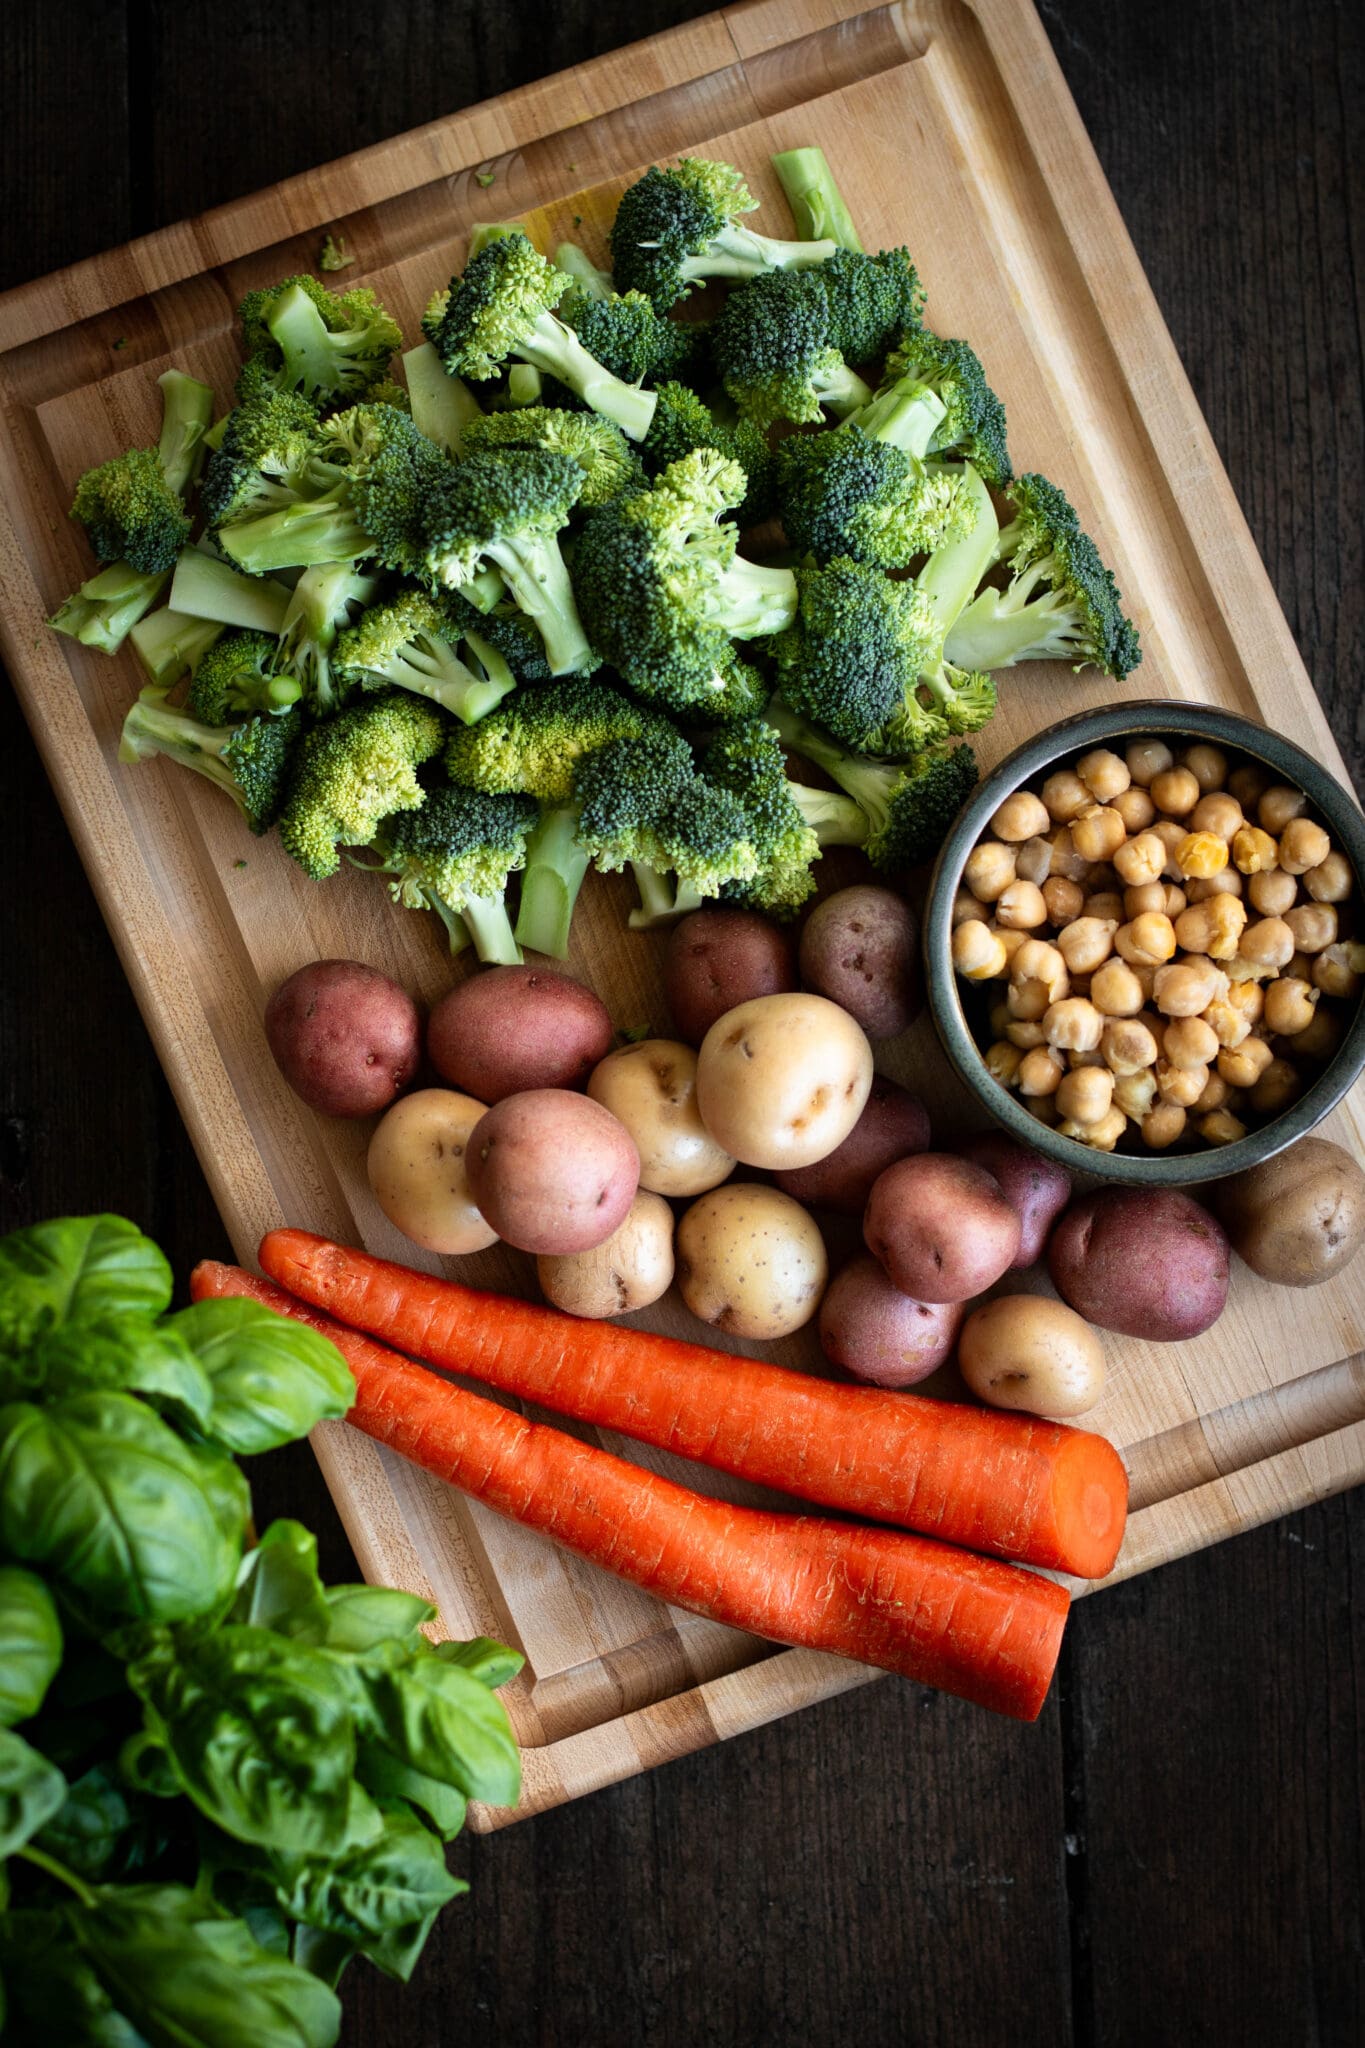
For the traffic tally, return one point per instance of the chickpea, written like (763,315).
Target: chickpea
(1146,759)
(1146,896)
(1254,852)
(1085,1094)
(1025,1032)
(1249,998)
(1314,926)
(1101,1136)
(1011,938)
(1098,832)
(1106,904)
(1322,1039)
(1229,1025)
(1199,855)
(1272,892)
(1036,960)
(1337,970)
(1300,968)
(1217,812)
(1064,899)
(1269,943)
(1303,845)
(1277,1088)
(1207,764)
(1189,1042)
(1033,860)
(1066,861)
(1215,1094)
(1149,940)
(1135,1094)
(969,909)
(1279,806)
(978,954)
(1331,881)
(1186,988)
(1163,1125)
(1128,1046)
(1021,908)
(1140,860)
(1029,1001)
(998,1017)
(1135,807)
(1065,796)
(1103,774)
(1003,1061)
(1086,943)
(1242,1066)
(1041,1107)
(1073,1025)
(1221,1128)
(1176,900)
(1175,791)
(1213,927)
(1248,783)
(1289,1006)
(1181,1085)
(1227,882)
(989,869)
(1116,991)
(1171,834)
(1021,816)
(1040,1071)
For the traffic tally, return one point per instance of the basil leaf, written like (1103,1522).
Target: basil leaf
(31,1790)
(436,1719)
(101,1832)
(76,1269)
(360,1616)
(272,1378)
(114,1352)
(278,1586)
(30,1643)
(46,1977)
(380,1898)
(383,1774)
(258,1731)
(98,1490)
(491,1663)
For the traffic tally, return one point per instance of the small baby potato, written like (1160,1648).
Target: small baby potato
(1033,860)
(1021,816)
(942,1228)
(345,1037)
(416,1168)
(1175,791)
(751,1261)
(551,1170)
(1272,892)
(513,1029)
(1028,1352)
(1064,898)
(651,1088)
(989,869)
(1098,833)
(783,1079)
(1065,796)
(1036,1187)
(1146,759)
(978,952)
(718,957)
(1331,881)
(1135,807)
(1021,907)
(1289,1006)
(1299,1218)
(1148,1262)
(860,947)
(1303,845)
(628,1270)
(1314,926)
(1208,765)
(894,1123)
(1279,807)
(879,1335)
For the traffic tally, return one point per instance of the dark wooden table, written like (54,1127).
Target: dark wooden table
(1173,1855)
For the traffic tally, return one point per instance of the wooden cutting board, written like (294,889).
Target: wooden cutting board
(951,129)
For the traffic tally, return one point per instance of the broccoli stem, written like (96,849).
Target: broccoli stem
(553,876)
(816,202)
(953,571)
(169,642)
(750,599)
(556,350)
(905,416)
(432,669)
(524,385)
(538,578)
(491,929)
(153,727)
(842,390)
(297,537)
(104,610)
(835,820)
(485,231)
(208,588)
(868,782)
(485,591)
(301,333)
(457,931)
(738,251)
(577,264)
(497,673)
(663,898)
(188,410)
(319,607)
(442,405)
(1002,627)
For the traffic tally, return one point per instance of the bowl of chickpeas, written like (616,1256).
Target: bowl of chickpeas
(1146,943)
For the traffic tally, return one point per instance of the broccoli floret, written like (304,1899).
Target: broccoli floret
(676,227)
(379,470)
(532,740)
(817,204)
(662,589)
(507,631)
(235,678)
(503,308)
(872,299)
(630,339)
(939,385)
(909,805)
(774,347)
(132,506)
(107,606)
(608,462)
(354,771)
(298,336)
(250,760)
(323,603)
(683,422)
(454,856)
(1061,602)
(789,823)
(642,804)
(847,493)
(269,456)
(412,644)
(855,651)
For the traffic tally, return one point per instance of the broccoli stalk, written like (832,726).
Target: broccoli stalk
(788,823)
(168,642)
(412,644)
(333,347)
(454,856)
(525,387)
(204,587)
(485,231)
(579,266)
(934,401)
(324,601)
(663,899)
(442,404)
(555,867)
(817,205)
(298,536)
(909,806)
(678,227)
(106,607)
(248,760)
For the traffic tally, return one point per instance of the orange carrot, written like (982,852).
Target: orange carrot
(987,1632)
(1007,1485)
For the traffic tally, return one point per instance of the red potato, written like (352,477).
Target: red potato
(1038,1188)
(719,958)
(551,1171)
(894,1123)
(881,1336)
(860,947)
(510,1029)
(1149,1262)
(940,1227)
(345,1037)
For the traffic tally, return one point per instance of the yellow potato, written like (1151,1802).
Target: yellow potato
(751,1261)
(416,1166)
(782,1080)
(632,1268)
(652,1088)
(1028,1351)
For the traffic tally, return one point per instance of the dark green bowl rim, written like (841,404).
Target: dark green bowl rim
(1167,717)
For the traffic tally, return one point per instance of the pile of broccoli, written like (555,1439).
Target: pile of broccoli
(573,589)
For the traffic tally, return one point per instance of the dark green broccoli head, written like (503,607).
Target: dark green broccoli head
(973,425)
(461,843)
(608,462)
(918,805)
(231,490)
(353,772)
(485,316)
(749,760)
(236,676)
(276,432)
(847,494)
(631,340)
(856,650)
(533,740)
(667,217)
(259,756)
(333,347)
(390,496)
(871,300)
(642,800)
(509,631)
(773,346)
(683,422)
(512,495)
(131,513)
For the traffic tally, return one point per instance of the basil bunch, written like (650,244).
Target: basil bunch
(220,1779)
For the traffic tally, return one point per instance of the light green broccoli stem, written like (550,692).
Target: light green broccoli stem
(538,578)
(491,930)
(738,251)
(485,231)
(550,882)
(556,350)
(577,264)
(188,411)
(817,204)
(835,820)
(433,669)
(208,588)
(214,437)
(304,339)
(750,600)
(497,674)
(524,385)
(297,537)
(1002,627)
(953,571)
(105,609)
(153,727)
(319,607)
(169,642)
(863,779)
(458,933)
(906,415)
(841,389)
(486,590)
(663,898)
(442,405)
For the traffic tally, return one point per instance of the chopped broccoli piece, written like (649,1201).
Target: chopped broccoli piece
(1061,602)
(965,418)
(249,760)
(556,865)
(503,308)
(507,631)
(234,678)
(817,204)
(270,455)
(909,805)
(630,339)
(578,266)
(526,387)
(353,772)
(485,231)
(298,336)
(205,587)
(334,255)
(847,493)
(774,347)
(383,469)
(532,740)
(411,644)
(788,822)
(676,227)
(872,299)
(168,642)
(324,602)
(855,651)
(606,458)
(683,422)
(107,606)
(454,856)
(132,506)
(442,405)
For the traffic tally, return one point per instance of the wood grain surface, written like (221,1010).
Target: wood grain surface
(1153,1775)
